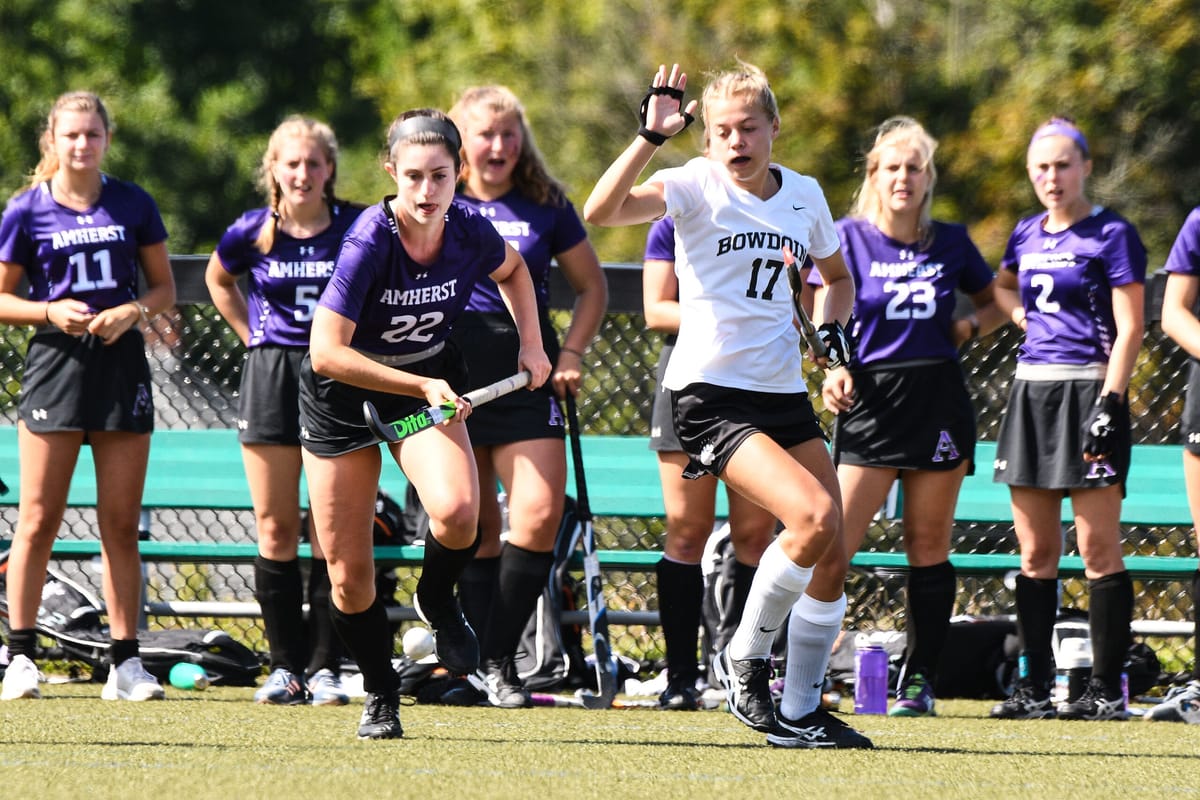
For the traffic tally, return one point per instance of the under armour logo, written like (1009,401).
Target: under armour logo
(307,250)
(1193,438)
(1000,464)
(40,413)
(243,424)
(422,276)
(85,219)
(556,417)
(1049,244)
(304,433)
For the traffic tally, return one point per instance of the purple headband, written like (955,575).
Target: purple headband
(1060,127)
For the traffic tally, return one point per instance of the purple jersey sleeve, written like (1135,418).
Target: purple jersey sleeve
(1066,281)
(284,284)
(660,241)
(1184,257)
(538,232)
(90,255)
(401,306)
(905,294)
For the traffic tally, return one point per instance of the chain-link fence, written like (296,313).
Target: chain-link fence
(196,361)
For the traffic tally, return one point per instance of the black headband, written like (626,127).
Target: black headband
(422,124)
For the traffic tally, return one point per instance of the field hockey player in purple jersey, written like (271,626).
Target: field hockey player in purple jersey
(286,250)
(1182,703)
(741,407)
(404,274)
(1073,277)
(518,439)
(690,504)
(903,407)
(82,240)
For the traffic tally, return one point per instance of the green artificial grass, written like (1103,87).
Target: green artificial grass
(220,744)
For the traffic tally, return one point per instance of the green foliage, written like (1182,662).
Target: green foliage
(196,87)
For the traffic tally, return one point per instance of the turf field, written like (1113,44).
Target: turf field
(219,744)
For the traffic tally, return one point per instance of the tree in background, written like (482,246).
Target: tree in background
(198,86)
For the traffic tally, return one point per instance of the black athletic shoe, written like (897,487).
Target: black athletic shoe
(1026,702)
(381,716)
(815,730)
(454,641)
(1098,702)
(680,695)
(503,685)
(747,685)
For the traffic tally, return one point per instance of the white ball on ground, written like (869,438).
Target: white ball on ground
(417,643)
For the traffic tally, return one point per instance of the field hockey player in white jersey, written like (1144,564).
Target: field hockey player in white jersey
(740,404)
(404,274)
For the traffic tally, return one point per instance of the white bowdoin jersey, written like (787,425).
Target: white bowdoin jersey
(736,313)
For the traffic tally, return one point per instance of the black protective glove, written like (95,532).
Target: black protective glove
(836,344)
(1099,429)
(659,139)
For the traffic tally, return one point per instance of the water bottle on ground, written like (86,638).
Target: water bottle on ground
(870,680)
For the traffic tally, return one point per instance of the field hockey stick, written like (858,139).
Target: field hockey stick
(429,416)
(538,699)
(606,673)
(808,333)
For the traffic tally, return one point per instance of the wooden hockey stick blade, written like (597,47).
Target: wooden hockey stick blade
(427,417)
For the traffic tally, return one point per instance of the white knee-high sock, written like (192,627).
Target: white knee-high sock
(777,584)
(812,630)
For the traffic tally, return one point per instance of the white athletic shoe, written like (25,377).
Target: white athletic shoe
(325,686)
(131,681)
(21,680)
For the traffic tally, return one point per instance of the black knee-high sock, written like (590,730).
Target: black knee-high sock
(680,595)
(476,587)
(369,641)
(930,601)
(1110,610)
(1037,607)
(1196,624)
(440,571)
(743,579)
(279,590)
(325,647)
(519,583)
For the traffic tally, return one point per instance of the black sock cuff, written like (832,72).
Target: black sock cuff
(273,567)
(22,642)
(1115,580)
(123,650)
(679,569)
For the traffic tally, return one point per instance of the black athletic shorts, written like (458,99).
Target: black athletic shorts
(1191,410)
(713,421)
(490,345)
(331,417)
(77,383)
(269,397)
(1040,443)
(662,423)
(909,416)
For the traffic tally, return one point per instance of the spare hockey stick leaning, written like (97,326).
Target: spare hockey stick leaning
(606,673)
(429,416)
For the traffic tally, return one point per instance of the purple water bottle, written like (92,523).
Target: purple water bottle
(870,680)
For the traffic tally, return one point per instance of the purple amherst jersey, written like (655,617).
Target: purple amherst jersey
(904,294)
(1184,257)
(537,232)
(87,255)
(399,305)
(1066,281)
(660,241)
(284,284)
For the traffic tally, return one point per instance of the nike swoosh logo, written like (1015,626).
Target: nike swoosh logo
(767,630)
(799,208)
